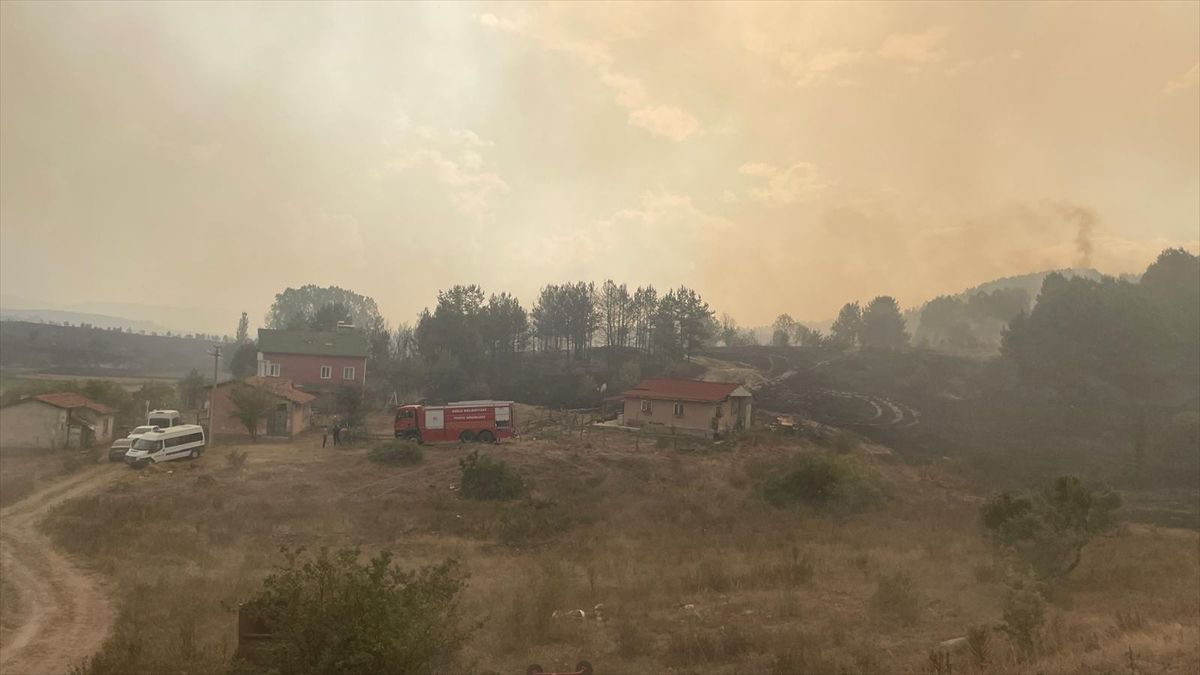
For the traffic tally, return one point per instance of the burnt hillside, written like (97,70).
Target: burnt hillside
(76,350)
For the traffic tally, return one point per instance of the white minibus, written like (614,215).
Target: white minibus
(186,440)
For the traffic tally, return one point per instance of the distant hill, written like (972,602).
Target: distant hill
(138,316)
(971,322)
(96,351)
(64,316)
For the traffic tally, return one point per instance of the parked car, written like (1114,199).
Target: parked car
(186,440)
(119,447)
(138,431)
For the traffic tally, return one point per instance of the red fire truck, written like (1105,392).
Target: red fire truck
(465,421)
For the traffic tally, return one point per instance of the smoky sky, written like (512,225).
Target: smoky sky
(777,157)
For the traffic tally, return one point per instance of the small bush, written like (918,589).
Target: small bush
(896,597)
(1024,613)
(826,483)
(979,644)
(488,479)
(1048,529)
(332,614)
(236,459)
(402,453)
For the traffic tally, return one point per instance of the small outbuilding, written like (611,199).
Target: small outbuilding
(695,407)
(289,413)
(53,421)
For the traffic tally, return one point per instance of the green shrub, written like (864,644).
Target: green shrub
(329,613)
(1024,612)
(486,478)
(403,453)
(1048,529)
(825,483)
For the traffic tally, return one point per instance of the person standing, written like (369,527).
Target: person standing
(324,435)
(337,433)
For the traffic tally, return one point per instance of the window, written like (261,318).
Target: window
(326,372)
(645,406)
(348,373)
(678,409)
(274,369)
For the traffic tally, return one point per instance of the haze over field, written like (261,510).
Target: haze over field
(774,157)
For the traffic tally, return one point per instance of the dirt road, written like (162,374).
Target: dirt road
(57,614)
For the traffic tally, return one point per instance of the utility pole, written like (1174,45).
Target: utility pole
(212,396)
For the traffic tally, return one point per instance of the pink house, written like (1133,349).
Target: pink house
(314,361)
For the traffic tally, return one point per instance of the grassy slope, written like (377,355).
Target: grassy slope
(691,571)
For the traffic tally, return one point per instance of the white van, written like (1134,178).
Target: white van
(164,419)
(163,446)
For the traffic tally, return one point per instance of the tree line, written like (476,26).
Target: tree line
(877,326)
(470,339)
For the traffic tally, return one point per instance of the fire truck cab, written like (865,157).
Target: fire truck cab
(463,421)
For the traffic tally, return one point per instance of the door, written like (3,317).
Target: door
(435,419)
(277,422)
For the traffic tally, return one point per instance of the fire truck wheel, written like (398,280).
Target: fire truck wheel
(466,437)
(534,669)
(486,437)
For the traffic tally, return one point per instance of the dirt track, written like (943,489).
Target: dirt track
(59,614)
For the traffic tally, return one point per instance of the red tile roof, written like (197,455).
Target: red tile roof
(274,385)
(70,400)
(682,390)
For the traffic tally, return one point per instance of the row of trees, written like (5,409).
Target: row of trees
(971,322)
(470,339)
(879,326)
(1138,339)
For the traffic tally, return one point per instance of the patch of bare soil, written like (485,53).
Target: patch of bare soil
(53,614)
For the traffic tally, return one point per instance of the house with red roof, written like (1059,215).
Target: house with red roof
(53,421)
(695,407)
(289,409)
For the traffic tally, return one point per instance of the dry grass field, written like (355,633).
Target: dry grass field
(676,562)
